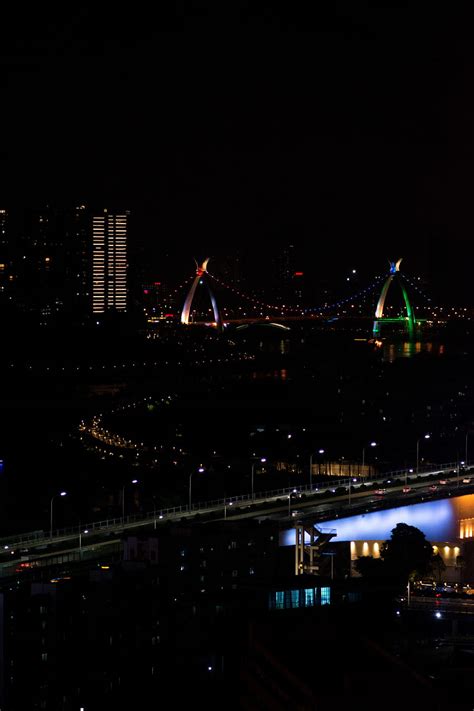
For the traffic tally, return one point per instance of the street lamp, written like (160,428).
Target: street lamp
(62,493)
(134,481)
(200,470)
(262,460)
(465,455)
(350,486)
(86,530)
(225,507)
(426,436)
(289,501)
(320,451)
(154,512)
(372,444)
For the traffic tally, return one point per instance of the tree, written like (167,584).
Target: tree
(407,554)
(438,566)
(369,567)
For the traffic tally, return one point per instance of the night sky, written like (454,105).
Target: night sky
(348,133)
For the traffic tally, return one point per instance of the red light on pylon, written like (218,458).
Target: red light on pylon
(299,273)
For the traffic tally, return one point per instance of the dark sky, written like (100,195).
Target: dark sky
(349,132)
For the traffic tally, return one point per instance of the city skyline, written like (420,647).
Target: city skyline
(236,244)
(47,257)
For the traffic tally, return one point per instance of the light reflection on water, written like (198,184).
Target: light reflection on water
(407,349)
(442,520)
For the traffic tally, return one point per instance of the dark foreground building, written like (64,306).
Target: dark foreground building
(201,615)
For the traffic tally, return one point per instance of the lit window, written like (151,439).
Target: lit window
(325,596)
(309,597)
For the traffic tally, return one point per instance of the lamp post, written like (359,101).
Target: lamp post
(134,481)
(320,451)
(80,541)
(200,470)
(62,493)
(465,453)
(426,436)
(154,513)
(350,488)
(372,444)
(289,501)
(225,507)
(262,460)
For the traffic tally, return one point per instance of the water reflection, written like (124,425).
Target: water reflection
(442,520)
(277,374)
(281,346)
(391,350)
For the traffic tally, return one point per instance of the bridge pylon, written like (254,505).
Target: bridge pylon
(408,320)
(201,277)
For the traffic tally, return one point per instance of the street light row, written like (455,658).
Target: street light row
(261,460)
(64,493)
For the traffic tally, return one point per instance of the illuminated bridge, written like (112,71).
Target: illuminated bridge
(275,315)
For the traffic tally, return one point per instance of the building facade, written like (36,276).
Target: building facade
(109,262)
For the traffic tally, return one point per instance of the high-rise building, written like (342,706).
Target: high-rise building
(40,264)
(288,277)
(109,262)
(78,262)
(5,255)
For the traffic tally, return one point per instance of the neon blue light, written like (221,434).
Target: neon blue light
(437,519)
(325,596)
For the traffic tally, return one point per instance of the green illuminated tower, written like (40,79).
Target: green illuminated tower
(409,319)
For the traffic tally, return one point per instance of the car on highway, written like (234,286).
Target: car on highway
(433,487)
(406,489)
(466,481)
(443,481)
(379,492)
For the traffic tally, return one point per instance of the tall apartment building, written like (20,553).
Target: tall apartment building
(109,262)
(78,251)
(5,254)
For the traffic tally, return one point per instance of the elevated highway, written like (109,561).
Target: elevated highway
(322,502)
